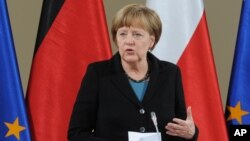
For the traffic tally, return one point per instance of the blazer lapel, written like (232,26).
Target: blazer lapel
(121,82)
(155,79)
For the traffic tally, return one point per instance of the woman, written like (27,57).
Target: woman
(118,95)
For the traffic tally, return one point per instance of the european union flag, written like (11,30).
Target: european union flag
(13,119)
(238,102)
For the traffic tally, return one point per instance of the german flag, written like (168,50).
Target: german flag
(72,34)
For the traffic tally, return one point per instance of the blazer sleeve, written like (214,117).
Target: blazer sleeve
(181,106)
(82,122)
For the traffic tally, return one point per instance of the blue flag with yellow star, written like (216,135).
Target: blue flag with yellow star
(13,119)
(238,101)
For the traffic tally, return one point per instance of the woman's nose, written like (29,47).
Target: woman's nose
(129,40)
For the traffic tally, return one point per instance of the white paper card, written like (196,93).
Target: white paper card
(137,136)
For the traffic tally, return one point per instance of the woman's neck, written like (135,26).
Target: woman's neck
(137,70)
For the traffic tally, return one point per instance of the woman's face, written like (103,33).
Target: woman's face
(133,43)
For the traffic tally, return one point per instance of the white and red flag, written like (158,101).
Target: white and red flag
(185,42)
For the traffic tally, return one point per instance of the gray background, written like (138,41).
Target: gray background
(222,18)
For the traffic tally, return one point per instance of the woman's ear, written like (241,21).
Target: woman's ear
(152,38)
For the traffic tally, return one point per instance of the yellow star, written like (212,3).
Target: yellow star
(14,129)
(236,113)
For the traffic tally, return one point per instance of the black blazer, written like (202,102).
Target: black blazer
(106,107)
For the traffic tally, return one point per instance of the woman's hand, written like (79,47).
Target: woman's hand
(182,128)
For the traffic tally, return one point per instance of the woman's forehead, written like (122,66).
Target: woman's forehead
(137,23)
(131,28)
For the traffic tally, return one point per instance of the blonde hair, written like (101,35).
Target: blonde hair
(137,15)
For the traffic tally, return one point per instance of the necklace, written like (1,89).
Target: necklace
(146,77)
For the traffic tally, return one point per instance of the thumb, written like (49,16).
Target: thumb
(189,113)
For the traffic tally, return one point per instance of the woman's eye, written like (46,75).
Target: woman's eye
(122,34)
(137,35)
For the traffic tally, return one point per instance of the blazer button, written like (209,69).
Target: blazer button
(142,111)
(142,129)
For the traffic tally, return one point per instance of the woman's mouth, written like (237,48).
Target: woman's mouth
(130,51)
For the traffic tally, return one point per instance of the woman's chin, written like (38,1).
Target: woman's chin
(131,59)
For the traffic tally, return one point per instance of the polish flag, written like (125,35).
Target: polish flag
(185,42)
